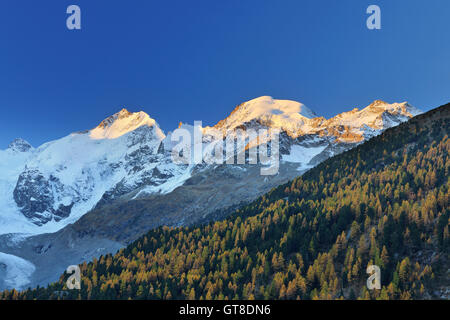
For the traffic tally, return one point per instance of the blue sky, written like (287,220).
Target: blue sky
(196,60)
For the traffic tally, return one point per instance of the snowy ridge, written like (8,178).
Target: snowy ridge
(297,120)
(375,115)
(281,114)
(123,122)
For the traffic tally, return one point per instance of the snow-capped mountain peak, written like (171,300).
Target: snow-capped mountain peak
(286,115)
(378,103)
(121,123)
(20,145)
(127,156)
(378,115)
(403,108)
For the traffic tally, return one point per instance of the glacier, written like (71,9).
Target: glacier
(17,271)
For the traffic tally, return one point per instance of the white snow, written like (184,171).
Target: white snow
(121,123)
(296,119)
(170,185)
(18,271)
(281,114)
(302,154)
(371,116)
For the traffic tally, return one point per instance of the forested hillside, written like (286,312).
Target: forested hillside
(385,202)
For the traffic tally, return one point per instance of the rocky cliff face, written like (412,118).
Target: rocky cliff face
(35,196)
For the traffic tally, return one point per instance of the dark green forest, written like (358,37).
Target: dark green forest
(384,203)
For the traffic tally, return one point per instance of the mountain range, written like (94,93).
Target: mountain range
(95,191)
(384,203)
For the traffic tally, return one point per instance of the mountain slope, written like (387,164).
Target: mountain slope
(384,202)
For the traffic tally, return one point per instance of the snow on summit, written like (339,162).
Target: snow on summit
(283,114)
(372,115)
(121,123)
(296,119)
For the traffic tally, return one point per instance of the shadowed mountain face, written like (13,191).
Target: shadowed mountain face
(95,191)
